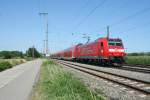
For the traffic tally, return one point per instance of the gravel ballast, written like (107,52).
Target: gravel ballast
(112,91)
(131,74)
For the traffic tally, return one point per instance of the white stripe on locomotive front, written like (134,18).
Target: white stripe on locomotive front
(116,50)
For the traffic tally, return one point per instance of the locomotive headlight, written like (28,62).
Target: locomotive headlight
(111,50)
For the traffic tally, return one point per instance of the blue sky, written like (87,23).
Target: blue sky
(21,27)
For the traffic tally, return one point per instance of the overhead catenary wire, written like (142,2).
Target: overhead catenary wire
(136,27)
(81,9)
(90,13)
(130,16)
(86,17)
(79,13)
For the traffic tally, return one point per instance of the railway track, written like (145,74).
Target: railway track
(130,68)
(135,84)
(138,65)
(135,69)
(141,69)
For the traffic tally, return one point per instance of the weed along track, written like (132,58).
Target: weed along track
(57,84)
(139,86)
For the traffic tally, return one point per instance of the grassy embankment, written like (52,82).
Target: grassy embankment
(56,84)
(138,60)
(9,63)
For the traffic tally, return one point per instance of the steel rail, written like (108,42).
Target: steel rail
(130,68)
(138,65)
(134,69)
(146,82)
(84,69)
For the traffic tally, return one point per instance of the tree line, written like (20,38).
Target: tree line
(139,54)
(31,52)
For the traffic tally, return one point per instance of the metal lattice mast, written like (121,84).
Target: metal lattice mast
(46,31)
(108,32)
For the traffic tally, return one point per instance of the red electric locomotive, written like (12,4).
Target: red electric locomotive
(103,50)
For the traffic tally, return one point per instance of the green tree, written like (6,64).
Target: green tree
(133,54)
(148,53)
(17,54)
(5,54)
(11,54)
(33,52)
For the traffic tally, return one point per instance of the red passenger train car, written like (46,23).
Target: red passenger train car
(103,50)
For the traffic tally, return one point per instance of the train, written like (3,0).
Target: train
(105,51)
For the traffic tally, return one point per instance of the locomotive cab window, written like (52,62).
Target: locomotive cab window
(115,43)
(118,44)
(111,43)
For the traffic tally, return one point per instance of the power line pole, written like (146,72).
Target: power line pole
(33,51)
(108,32)
(44,47)
(46,31)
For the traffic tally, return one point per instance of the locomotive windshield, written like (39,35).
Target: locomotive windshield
(115,43)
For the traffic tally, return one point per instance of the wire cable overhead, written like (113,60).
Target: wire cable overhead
(130,16)
(90,13)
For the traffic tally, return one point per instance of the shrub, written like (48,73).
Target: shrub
(15,62)
(22,61)
(28,58)
(5,65)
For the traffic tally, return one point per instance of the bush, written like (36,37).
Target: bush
(22,61)
(15,62)
(28,58)
(5,65)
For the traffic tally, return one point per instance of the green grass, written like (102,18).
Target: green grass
(13,62)
(56,84)
(142,60)
(9,63)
